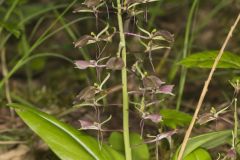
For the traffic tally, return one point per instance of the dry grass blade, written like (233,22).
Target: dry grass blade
(11,142)
(205,88)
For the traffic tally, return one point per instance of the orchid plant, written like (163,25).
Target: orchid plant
(150,85)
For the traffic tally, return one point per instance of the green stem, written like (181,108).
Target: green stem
(124,85)
(9,12)
(185,51)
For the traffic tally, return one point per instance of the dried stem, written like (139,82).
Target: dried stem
(235,123)
(11,142)
(205,89)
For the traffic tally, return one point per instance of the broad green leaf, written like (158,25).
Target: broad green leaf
(207,141)
(116,141)
(68,143)
(206,60)
(139,148)
(198,154)
(173,118)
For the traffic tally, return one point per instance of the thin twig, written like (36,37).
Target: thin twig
(205,89)
(235,124)
(12,142)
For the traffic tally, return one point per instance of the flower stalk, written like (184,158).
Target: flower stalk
(122,48)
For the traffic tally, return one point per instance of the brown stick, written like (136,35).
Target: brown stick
(205,89)
(12,142)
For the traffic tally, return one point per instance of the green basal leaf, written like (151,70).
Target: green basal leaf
(139,148)
(116,141)
(198,154)
(207,141)
(67,142)
(206,60)
(173,118)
